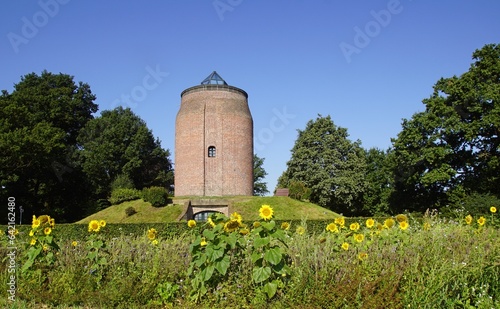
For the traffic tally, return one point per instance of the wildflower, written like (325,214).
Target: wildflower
(36,223)
(493,209)
(362,256)
(389,223)
(468,219)
(285,226)
(340,221)
(236,216)
(45,248)
(345,246)
(74,243)
(154,242)
(403,225)
(191,223)
(300,230)
(370,223)
(256,224)
(481,221)
(231,225)
(359,237)
(33,241)
(102,223)
(427,226)
(210,222)
(151,234)
(266,212)
(354,226)
(47,230)
(401,218)
(332,227)
(203,242)
(94,226)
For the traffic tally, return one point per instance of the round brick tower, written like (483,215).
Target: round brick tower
(213,141)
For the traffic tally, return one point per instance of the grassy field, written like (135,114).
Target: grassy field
(285,208)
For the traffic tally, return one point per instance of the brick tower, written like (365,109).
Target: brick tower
(213,141)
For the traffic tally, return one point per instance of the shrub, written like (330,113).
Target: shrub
(157,196)
(122,181)
(130,211)
(299,191)
(122,195)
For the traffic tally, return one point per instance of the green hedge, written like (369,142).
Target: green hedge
(157,196)
(123,195)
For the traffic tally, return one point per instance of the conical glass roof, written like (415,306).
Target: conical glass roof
(213,79)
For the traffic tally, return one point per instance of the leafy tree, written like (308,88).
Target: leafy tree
(328,163)
(39,122)
(379,182)
(118,144)
(454,145)
(259,173)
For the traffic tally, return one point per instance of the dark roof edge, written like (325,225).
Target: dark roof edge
(214,87)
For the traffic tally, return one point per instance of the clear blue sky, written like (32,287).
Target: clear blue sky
(368,64)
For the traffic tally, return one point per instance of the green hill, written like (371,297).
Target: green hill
(285,208)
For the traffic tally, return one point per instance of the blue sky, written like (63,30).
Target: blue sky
(368,64)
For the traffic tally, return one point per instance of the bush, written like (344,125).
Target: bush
(299,191)
(130,211)
(122,195)
(122,181)
(157,196)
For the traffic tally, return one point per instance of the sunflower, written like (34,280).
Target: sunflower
(231,225)
(403,225)
(102,223)
(401,218)
(244,231)
(468,219)
(36,223)
(236,216)
(266,212)
(43,219)
(74,243)
(45,248)
(32,233)
(191,223)
(332,227)
(354,226)
(203,242)
(210,222)
(52,222)
(256,224)
(151,234)
(300,230)
(380,226)
(155,242)
(33,241)
(481,221)
(94,226)
(362,256)
(47,230)
(359,237)
(285,226)
(493,209)
(340,221)
(370,223)
(345,246)
(388,223)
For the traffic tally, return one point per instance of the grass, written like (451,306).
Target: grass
(145,213)
(248,206)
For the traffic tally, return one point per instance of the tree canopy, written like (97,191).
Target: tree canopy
(329,164)
(259,173)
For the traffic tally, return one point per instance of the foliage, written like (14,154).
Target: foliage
(298,190)
(42,245)
(122,195)
(39,124)
(328,163)
(129,211)
(379,183)
(119,143)
(259,173)
(454,144)
(96,250)
(157,196)
(122,181)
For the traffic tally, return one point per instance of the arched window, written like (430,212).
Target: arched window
(211,151)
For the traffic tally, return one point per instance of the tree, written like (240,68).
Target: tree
(39,122)
(118,144)
(259,173)
(454,145)
(379,182)
(328,163)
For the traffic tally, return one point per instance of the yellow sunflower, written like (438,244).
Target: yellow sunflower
(345,246)
(151,234)
(493,209)
(468,219)
(33,241)
(370,223)
(354,226)
(389,223)
(256,224)
(154,242)
(210,222)
(300,230)
(191,223)
(203,242)
(102,223)
(285,226)
(32,233)
(231,225)
(401,218)
(236,216)
(403,225)
(47,230)
(266,212)
(74,243)
(481,221)
(332,227)
(359,237)
(36,223)
(340,221)
(52,222)
(94,226)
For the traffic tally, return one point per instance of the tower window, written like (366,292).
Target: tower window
(211,151)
